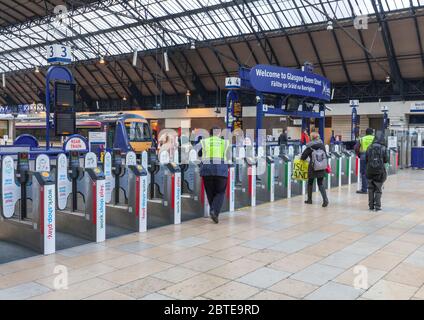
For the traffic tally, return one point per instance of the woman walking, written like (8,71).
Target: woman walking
(318,164)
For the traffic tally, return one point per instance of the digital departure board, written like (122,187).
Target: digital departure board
(65,123)
(64,94)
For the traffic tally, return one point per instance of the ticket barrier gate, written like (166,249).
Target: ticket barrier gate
(265,180)
(336,169)
(81,197)
(126,193)
(193,196)
(393,161)
(27,207)
(283,176)
(347,167)
(245,180)
(229,201)
(164,192)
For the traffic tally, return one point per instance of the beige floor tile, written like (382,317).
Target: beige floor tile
(196,286)
(333,228)
(412,238)
(324,248)
(78,291)
(382,260)
(420,293)
(221,244)
(205,263)
(347,237)
(295,262)
(395,232)
(176,274)
(252,234)
(237,268)
(402,248)
(233,253)
(232,291)
(110,295)
(185,255)
(77,275)
(31,263)
(351,276)
(136,272)
(406,274)
(142,287)
(387,290)
(266,255)
(285,234)
(92,258)
(269,295)
(125,261)
(159,251)
(293,288)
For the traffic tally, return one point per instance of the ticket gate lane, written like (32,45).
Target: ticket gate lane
(81,198)
(265,181)
(193,196)
(27,219)
(245,183)
(164,194)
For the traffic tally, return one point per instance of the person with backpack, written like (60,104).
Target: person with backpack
(361,149)
(318,166)
(376,159)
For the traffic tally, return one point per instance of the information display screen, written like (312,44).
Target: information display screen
(65,123)
(64,94)
(292,104)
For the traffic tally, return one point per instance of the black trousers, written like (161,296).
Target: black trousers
(215,188)
(375,192)
(320,181)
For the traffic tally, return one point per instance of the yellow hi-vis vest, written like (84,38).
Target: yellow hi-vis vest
(366,142)
(214,148)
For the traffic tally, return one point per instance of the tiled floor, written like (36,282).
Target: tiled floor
(284,250)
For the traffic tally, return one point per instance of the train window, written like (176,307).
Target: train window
(138,132)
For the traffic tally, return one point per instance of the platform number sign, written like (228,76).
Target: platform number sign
(59,54)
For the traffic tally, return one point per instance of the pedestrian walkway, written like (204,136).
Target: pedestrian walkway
(284,250)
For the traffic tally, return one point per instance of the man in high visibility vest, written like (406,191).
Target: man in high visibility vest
(214,171)
(363,145)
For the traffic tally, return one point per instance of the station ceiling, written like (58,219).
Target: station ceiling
(207,40)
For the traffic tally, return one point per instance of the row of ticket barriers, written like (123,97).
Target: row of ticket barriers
(46,199)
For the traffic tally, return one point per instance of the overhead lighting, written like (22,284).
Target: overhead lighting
(102,60)
(388,79)
(124,98)
(330,26)
(165,59)
(135,56)
(192,45)
(188,95)
(3,80)
(37,70)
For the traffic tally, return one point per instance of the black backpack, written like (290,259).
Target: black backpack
(375,164)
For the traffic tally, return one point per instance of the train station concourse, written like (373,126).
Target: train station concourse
(211,151)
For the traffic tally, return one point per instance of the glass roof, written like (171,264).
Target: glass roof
(149,24)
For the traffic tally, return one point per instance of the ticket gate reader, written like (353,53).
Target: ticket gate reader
(245,182)
(164,193)
(347,167)
(126,192)
(81,197)
(336,169)
(265,180)
(28,205)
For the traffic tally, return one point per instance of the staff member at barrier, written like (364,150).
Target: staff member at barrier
(214,170)
(361,149)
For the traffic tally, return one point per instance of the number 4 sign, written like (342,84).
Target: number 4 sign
(59,54)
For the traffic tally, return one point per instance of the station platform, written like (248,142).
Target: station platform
(284,250)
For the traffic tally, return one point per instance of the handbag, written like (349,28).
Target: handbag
(328,170)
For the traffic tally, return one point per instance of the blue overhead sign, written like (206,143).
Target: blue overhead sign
(286,81)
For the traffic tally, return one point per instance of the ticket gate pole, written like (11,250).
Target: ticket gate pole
(23,178)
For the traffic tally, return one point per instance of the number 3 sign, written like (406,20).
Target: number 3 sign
(59,54)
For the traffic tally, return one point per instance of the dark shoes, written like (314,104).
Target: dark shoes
(214,217)
(308,202)
(361,192)
(325,204)
(378,209)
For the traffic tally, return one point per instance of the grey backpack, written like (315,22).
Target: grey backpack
(319,160)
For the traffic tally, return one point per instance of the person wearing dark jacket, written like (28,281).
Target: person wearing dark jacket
(376,159)
(313,148)
(283,139)
(214,170)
